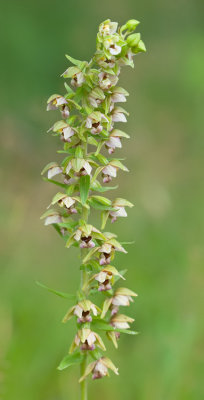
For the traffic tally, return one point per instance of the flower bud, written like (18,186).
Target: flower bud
(133,39)
(132,24)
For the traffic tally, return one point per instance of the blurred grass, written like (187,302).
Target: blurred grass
(165,156)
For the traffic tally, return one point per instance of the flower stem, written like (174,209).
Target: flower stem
(84,392)
(84,277)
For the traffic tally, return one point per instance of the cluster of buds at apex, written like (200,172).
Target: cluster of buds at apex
(64,129)
(94,122)
(65,201)
(105,278)
(56,102)
(108,28)
(95,97)
(119,206)
(51,217)
(99,369)
(120,321)
(83,311)
(106,81)
(81,167)
(87,340)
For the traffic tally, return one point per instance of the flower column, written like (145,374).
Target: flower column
(89,110)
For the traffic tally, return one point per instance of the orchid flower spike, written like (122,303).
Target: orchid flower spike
(88,134)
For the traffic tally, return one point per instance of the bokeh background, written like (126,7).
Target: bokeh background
(165,157)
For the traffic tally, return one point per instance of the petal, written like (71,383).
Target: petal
(100,367)
(118,98)
(91,339)
(121,325)
(77,235)
(115,50)
(61,101)
(120,300)
(110,170)
(88,123)
(78,311)
(119,213)
(68,201)
(94,310)
(53,219)
(87,167)
(69,166)
(53,171)
(118,117)
(101,277)
(114,142)
(68,132)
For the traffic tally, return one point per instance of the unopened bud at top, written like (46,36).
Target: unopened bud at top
(133,39)
(132,24)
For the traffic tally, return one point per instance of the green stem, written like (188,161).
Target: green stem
(84,277)
(84,393)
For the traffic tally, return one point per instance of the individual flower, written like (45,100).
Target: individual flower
(104,62)
(119,206)
(107,251)
(112,143)
(106,81)
(119,212)
(119,95)
(54,170)
(121,297)
(108,173)
(84,235)
(58,102)
(107,28)
(105,278)
(94,122)
(118,115)
(120,321)
(78,79)
(64,129)
(87,340)
(86,241)
(83,311)
(114,140)
(130,55)
(95,97)
(51,217)
(99,369)
(82,167)
(110,44)
(65,201)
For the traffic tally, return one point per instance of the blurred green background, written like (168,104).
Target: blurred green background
(165,157)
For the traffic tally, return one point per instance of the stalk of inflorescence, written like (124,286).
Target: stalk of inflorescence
(87,130)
